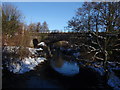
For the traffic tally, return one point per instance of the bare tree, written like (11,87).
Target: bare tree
(96,16)
(83,19)
(38,27)
(109,15)
(99,16)
(11,18)
(45,27)
(32,27)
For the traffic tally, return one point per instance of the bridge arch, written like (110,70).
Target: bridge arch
(35,42)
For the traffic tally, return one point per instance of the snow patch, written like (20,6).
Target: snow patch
(100,70)
(39,49)
(18,66)
(69,49)
(114,81)
(25,65)
(41,44)
(32,50)
(76,54)
(62,49)
(10,49)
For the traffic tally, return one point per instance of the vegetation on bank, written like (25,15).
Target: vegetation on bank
(14,31)
(99,23)
(99,19)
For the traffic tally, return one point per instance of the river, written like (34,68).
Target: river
(61,71)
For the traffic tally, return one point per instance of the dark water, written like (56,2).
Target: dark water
(67,68)
(61,71)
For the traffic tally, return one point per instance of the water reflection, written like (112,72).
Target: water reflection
(63,65)
(37,82)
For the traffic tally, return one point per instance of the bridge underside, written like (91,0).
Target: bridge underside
(48,38)
(55,37)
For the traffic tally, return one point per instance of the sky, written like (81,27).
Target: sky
(56,14)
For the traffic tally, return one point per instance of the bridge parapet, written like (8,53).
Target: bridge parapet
(67,36)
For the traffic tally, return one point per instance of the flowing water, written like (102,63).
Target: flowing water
(61,71)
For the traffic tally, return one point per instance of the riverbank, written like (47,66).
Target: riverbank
(65,69)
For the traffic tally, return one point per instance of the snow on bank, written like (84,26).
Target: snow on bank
(77,54)
(114,81)
(34,50)
(97,67)
(14,49)
(10,49)
(41,44)
(100,70)
(25,65)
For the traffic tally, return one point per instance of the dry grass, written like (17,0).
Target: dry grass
(19,40)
